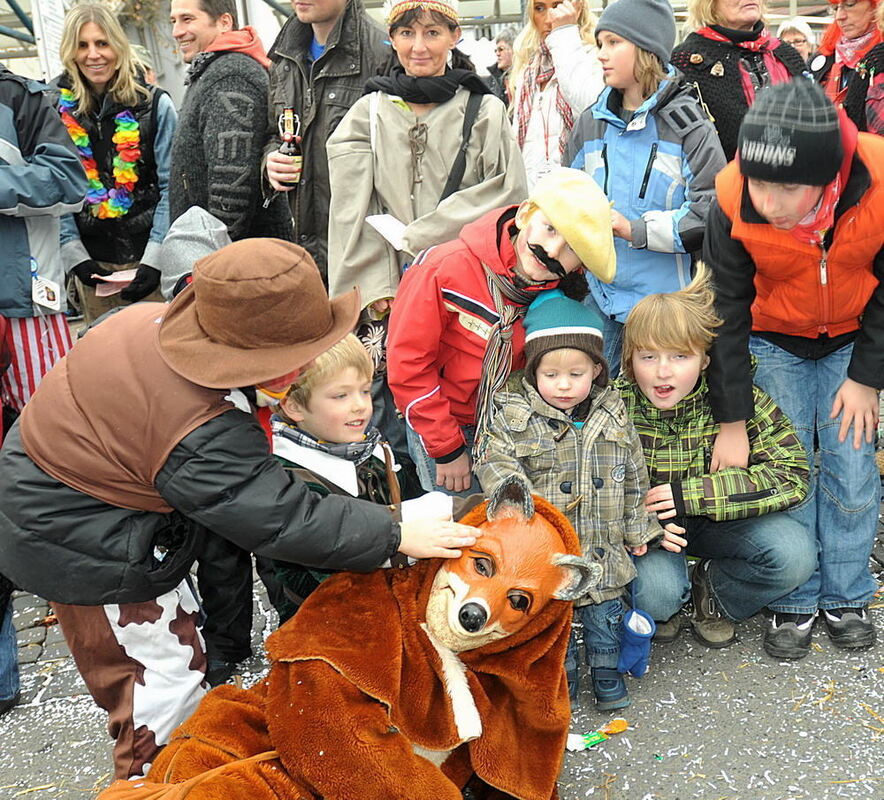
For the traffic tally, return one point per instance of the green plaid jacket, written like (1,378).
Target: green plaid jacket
(595,474)
(678,450)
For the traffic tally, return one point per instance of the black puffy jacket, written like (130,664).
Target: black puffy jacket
(69,547)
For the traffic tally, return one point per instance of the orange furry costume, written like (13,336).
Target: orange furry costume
(362,701)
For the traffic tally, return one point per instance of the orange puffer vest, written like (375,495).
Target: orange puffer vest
(800,289)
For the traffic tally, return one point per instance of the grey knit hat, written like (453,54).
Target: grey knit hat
(648,24)
(791,134)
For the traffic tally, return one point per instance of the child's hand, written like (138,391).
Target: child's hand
(673,541)
(638,551)
(731,447)
(455,475)
(659,501)
(859,404)
(620,226)
(433,538)
(381,307)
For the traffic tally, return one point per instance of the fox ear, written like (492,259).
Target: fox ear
(511,498)
(581,575)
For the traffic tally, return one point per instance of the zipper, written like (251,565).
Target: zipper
(743,497)
(641,194)
(824,289)
(605,162)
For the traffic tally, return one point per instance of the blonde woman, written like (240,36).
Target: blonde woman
(123,131)
(555,75)
(730,55)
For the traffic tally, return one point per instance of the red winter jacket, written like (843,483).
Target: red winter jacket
(439,326)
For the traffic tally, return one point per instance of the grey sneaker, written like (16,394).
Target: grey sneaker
(849,628)
(788,635)
(709,625)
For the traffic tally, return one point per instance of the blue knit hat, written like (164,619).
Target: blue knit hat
(553,322)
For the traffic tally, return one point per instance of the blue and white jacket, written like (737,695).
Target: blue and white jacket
(41,178)
(659,172)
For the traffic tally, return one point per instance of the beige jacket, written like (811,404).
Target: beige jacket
(374,169)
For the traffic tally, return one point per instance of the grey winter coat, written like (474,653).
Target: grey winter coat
(595,475)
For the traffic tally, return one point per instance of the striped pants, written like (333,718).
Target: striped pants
(35,343)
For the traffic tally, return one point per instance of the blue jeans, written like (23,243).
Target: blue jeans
(602,627)
(754,562)
(612,331)
(9,684)
(426,466)
(841,508)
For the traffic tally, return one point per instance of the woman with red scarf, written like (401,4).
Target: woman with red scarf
(855,64)
(730,56)
(795,241)
(845,44)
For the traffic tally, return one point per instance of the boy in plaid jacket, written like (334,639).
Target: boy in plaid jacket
(731,518)
(564,428)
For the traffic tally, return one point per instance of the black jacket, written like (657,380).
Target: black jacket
(216,155)
(321,94)
(119,240)
(714,68)
(69,547)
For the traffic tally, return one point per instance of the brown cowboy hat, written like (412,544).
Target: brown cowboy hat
(256,310)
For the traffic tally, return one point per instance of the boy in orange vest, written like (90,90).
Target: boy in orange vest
(796,246)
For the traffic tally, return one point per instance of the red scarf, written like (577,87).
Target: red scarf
(812,229)
(539,72)
(765,44)
(848,53)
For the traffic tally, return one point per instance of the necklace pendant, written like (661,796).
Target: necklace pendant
(717,69)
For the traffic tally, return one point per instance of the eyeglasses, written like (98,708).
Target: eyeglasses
(502,49)
(794,42)
(835,7)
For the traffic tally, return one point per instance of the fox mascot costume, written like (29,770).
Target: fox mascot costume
(409,684)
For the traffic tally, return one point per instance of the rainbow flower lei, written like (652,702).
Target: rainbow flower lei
(106,203)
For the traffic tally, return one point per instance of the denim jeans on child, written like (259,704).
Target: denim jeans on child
(612,334)
(841,509)
(426,465)
(9,681)
(602,625)
(754,562)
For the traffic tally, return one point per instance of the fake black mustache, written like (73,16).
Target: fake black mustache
(543,257)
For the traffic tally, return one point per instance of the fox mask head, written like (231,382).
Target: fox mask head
(518,564)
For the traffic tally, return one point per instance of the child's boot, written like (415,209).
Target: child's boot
(709,624)
(609,689)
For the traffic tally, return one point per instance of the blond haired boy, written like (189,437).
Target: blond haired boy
(731,518)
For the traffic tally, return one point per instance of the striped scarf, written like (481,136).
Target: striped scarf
(498,359)
(540,71)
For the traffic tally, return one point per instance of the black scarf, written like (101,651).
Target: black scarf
(438,89)
(737,36)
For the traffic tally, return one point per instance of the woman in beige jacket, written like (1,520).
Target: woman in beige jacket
(394,151)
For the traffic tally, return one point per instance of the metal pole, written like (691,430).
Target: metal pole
(20,13)
(15,34)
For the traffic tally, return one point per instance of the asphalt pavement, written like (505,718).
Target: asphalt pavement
(730,724)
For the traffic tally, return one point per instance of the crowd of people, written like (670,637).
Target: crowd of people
(606,268)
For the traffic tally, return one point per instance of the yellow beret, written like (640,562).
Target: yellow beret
(573,202)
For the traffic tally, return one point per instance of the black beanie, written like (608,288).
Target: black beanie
(791,134)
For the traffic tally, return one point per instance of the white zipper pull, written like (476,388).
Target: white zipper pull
(824,272)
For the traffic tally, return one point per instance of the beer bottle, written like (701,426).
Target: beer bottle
(289,127)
